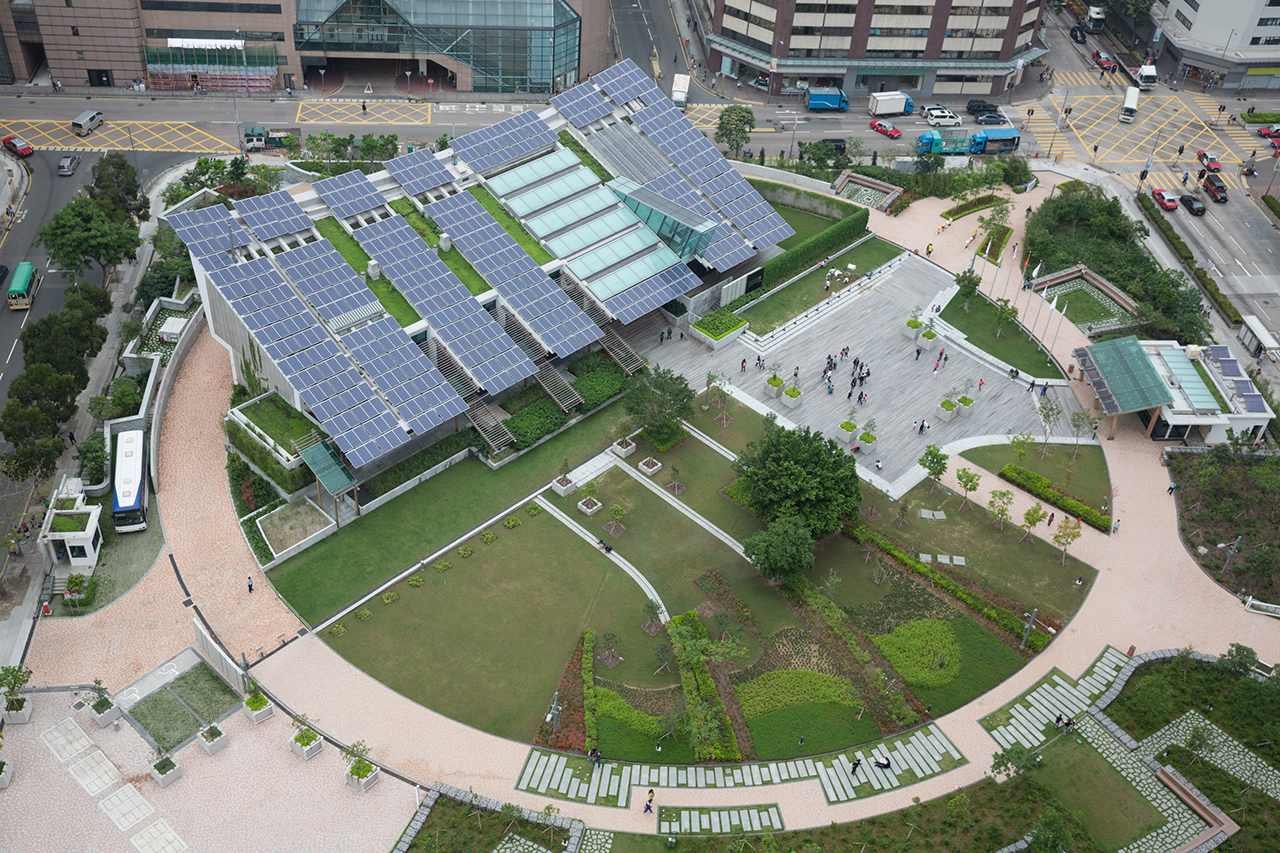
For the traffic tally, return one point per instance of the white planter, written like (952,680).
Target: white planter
(945,416)
(844,435)
(562,489)
(774,390)
(962,410)
(582,506)
(169,778)
(213,747)
(15,718)
(6,774)
(716,343)
(791,402)
(650,466)
(910,333)
(365,784)
(930,345)
(867,445)
(306,752)
(107,718)
(623,452)
(259,716)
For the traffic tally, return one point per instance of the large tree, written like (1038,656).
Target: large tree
(117,190)
(42,387)
(80,234)
(783,552)
(63,340)
(734,127)
(799,472)
(658,401)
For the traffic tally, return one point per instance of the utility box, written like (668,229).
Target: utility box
(373,271)
(172,329)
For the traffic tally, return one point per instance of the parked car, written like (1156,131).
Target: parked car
(1103,61)
(991,118)
(67,165)
(838,144)
(1192,204)
(1165,199)
(1269,131)
(4,274)
(882,126)
(1216,188)
(942,118)
(978,106)
(19,146)
(1209,160)
(1077,34)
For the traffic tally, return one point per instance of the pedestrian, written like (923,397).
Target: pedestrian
(648,806)
(918,351)
(850,397)
(1186,176)
(363,108)
(853,768)
(668,333)
(1044,389)
(250,584)
(937,362)
(71,435)
(682,336)
(1049,523)
(744,366)
(1116,526)
(1032,386)
(981,382)
(944,360)
(1057,723)
(661,338)
(1172,486)
(796,375)
(928,251)
(915,426)
(878,465)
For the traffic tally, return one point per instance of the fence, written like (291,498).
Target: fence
(224,664)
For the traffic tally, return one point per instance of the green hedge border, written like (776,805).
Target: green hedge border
(1184,253)
(591,732)
(286,480)
(1040,487)
(973,205)
(800,258)
(257,541)
(696,681)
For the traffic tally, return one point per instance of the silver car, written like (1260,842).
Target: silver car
(942,118)
(67,165)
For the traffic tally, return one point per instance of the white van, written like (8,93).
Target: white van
(1130,108)
(87,122)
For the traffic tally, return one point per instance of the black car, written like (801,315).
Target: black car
(978,107)
(1077,34)
(991,118)
(4,274)
(837,144)
(1192,204)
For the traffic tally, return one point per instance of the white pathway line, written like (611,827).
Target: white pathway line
(693,516)
(1229,754)
(635,574)
(711,442)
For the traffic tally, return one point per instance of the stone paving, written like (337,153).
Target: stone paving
(1227,753)
(716,821)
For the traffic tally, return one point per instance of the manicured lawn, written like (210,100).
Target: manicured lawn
(394,302)
(1083,307)
(515,229)
(205,693)
(620,742)
(803,294)
(804,223)
(355,256)
(485,642)
(1012,347)
(279,420)
(337,570)
(857,585)
(826,726)
(1110,807)
(747,425)
(1028,572)
(1257,814)
(165,719)
(453,259)
(1089,481)
(985,662)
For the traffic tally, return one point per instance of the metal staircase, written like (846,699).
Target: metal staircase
(617,348)
(480,414)
(551,381)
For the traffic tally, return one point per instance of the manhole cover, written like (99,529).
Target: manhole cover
(77,705)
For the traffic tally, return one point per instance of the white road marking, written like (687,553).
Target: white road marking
(12,348)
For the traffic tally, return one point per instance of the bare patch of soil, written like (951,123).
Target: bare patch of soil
(675,488)
(707,609)
(724,420)
(615,528)
(610,658)
(292,523)
(652,627)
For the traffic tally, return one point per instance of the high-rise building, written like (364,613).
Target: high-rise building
(977,47)
(1234,44)
(535,46)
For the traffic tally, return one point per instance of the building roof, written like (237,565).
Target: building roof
(1122,376)
(328,468)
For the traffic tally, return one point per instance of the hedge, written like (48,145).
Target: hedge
(1040,487)
(782,688)
(260,491)
(696,681)
(676,308)
(902,202)
(287,480)
(797,259)
(610,704)
(597,387)
(589,689)
(1007,620)
(836,620)
(1184,253)
(257,541)
(973,205)
(533,422)
(719,323)
(1261,118)
(1272,204)
(1219,298)
(424,460)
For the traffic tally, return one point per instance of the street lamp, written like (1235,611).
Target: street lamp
(553,716)
(1031,620)
(1225,44)
(1231,551)
(244,60)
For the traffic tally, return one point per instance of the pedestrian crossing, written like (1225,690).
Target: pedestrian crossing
(1028,720)
(911,758)
(676,821)
(1162,179)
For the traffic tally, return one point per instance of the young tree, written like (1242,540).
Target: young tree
(80,234)
(782,552)
(853,149)
(1013,762)
(799,472)
(1154,695)
(1082,422)
(969,480)
(968,282)
(935,462)
(995,219)
(1050,411)
(1199,742)
(1238,659)
(734,127)
(652,611)
(1051,834)
(1021,444)
(1005,311)
(116,189)
(609,641)
(959,810)
(1033,516)
(998,506)
(1068,532)
(658,401)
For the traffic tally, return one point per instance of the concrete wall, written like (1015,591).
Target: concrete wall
(193,330)
(790,196)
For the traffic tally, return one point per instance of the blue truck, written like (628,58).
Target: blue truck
(943,142)
(825,98)
(996,140)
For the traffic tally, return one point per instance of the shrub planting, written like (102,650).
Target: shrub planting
(1046,491)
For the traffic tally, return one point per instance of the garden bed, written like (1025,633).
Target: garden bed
(282,422)
(292,523)
(979,328)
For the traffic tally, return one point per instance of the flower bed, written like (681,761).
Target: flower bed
(570,729)
(982,202)
(994,244)
(1042,488)
(719,323)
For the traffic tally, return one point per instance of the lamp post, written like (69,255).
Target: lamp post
(553,716)
(1225,45)
(1031,620)
(1231,551)
(244,60)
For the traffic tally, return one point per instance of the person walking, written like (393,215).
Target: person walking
(928,251)
(251,584)
(878,465)
(648,806)
(918,351)
(744,366)
(363,108)
(1032,386)
(1044,389)
(1052,516)
(1172,486)
(981,382)
(71,435)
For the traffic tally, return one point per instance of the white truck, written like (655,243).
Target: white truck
(680,90)
(1147,77)
(890,104)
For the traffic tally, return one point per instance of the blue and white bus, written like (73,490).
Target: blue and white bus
(129,506)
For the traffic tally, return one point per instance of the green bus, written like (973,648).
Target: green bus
(23,287)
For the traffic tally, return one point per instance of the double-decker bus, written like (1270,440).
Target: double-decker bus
(23,286)
(129,504)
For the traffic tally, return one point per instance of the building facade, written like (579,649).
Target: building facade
(539,46)
(977,47)
(1232,44)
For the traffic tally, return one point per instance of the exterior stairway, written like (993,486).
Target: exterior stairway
(551,381)
(487,424)
(617,348)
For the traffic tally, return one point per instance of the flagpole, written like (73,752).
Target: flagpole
(1059,329)
(1036,321)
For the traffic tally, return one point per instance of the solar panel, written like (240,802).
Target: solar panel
(1229,367)
(1254,403)
(728,250)
(582,104)
(209,232)
(674,187)
(624,82)
(641,298)
(419,172)
(329,284)
(1244,386)
(1218,352)
(273,215)
(504,142)
(562,327)
(349,194)
(467,331)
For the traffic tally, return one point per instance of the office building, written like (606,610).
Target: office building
(1231,44)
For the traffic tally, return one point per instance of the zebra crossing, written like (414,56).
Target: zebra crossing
(1172,181)
(1031,715)
(677,821)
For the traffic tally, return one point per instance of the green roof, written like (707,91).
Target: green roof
(1125,379)
(326,465)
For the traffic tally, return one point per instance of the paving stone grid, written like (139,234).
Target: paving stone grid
(912,757)
(1227,753)
(676,821)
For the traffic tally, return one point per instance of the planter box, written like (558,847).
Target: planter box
(169,778)
(945,416)
(21,716)
(364,785)
(791,402)
(306,752)
(845,436)
(6,774)
(774,390)
(623,452)
(112,714)
(716,343)
(930,345)
(962,410)
(867,445)
(213,747)
(650,466)
(561,489)
(910,333)
(582,505)
(259,716)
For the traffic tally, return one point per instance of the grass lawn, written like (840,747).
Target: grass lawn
(827,727)
(1257,814)
(279,420)
(454,260)
(804,223)
(984,661)
(1083,307)
(483,642)
(808,291)
(164,718)
(1028,572)
(620,742)
(355,256)
(332,573)
(515,229)
(206,693)
(567,140)
(841,554)
(1110,807)
(747,425)
(394,302)
(1012,347)
(1089,482)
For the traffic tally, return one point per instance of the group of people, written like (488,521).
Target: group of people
(1064,724)
(881,761)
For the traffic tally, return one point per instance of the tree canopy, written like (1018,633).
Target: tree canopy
(659,399)
(116,189)
(80,234)
(800,473)
(734,127)
(63,340)
(783,552)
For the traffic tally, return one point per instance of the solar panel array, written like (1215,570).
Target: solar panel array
(706,168)
(728,248)
(468,331)
(1254,403)
(545,308)
(1218,352)
(273,215)
(643,297)
(1229,367)
(349,194)
(625,82)
(329,284)
(582,104)
(517,137)
(209,232)
(419,172)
